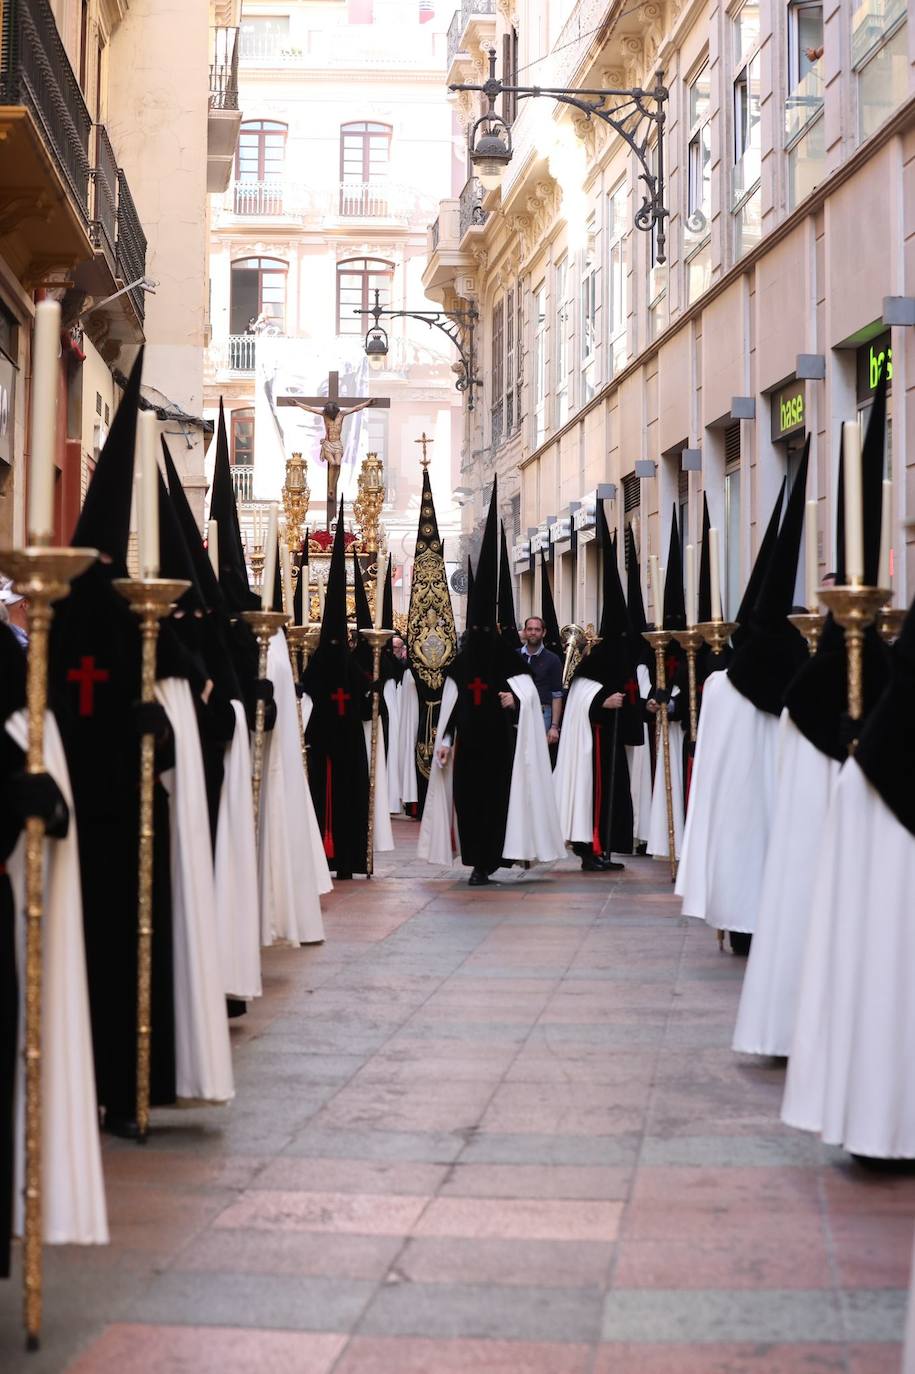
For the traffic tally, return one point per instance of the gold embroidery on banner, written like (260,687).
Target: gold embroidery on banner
(431,635)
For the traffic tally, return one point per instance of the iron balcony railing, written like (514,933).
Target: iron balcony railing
(367,199)
(459,23)
(35,72)
(471,206)
(131,255)
(239,353)
(436,234)
(224,69)
(105,194)
(258,198)
(243,483)
(348,200)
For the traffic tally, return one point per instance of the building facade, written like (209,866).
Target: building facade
(345,150)
(789,275)
(117,117)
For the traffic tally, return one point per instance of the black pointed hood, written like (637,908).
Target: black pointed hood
(233,573)
(174,555)
(481,612)
(612,660)
(469,581)
(104,521)
(387,600)
(427,535)
(364,619)
(614,616)
(207,582)
(872,463)
(886,749)
(298,596)
(674,613)
(277,604)
(704,596)
(507,621)
(333,624)
(548,609)
(773,650)
(758,570)
(634,600)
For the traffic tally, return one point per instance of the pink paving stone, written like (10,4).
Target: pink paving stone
(627,1358)
(311,1254)
(872,1250)
(352,1213)
(373,1176)
(782,1188)
(528,1263)
(784,1259)
(874,1359)
(132,1349)
(537,1181)
(520,1219)
(394,1355)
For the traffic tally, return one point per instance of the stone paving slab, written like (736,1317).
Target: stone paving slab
(496,1132)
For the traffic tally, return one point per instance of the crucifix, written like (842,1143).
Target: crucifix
(333,415)
(424,440)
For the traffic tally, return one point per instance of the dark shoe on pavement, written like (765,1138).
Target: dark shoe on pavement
(740,942)
(125,1127)
(342,876)
(479,878)
(614,867)
(593,863)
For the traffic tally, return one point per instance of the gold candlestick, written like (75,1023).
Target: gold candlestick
(265,625)
(658,639)
(716,633)
(691,640)
(43,576)
(377,639)
(810,626)
(889,622)
(854,608)
(150,599)
(296,636)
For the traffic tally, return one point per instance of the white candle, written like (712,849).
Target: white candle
(714,573)
(811,558)
(691,584)
(213,545)
(305,579)
(148,493)
(286,570)
(884,574)
(321,596)
(854,513)
(45,376)
(269,559)
(655,576)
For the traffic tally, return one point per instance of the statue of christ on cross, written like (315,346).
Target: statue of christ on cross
(333,414)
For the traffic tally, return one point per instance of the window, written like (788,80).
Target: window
(683,513)
(357,281)
(243,437)
(510,74)
(509,361)
(883,65)
(259,164)
(365,152)
(587,334)
(258,299)
(632,500)
(83,44)
(263,37)
(731,520)
(561,297)
(540,364)
(497,377)
(805,39)
(747,128)
(519,351)
(617,297)
(699,160)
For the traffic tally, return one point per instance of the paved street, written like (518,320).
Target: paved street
(494,1131)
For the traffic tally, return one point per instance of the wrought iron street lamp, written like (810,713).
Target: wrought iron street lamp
(453,323)
(638,117)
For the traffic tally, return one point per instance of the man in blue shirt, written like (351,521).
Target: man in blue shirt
(546,670)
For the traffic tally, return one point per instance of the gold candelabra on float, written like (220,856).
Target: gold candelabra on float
(151,599)
(377,639)
(43,576)
(369,501)
(854,607)
(810,625)
(264,625)
(691,639)
(296,496)
(658,639)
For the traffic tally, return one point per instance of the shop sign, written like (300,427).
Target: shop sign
(870,358)
(788,410)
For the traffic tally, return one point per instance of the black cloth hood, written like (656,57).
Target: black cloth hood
(507,621)
(104,521)
(704,598)
(817,698)
(548,610)
(886,749)
(614,614)
(233,572)
(207,581)
(481,605)
(674,617)
(758,570)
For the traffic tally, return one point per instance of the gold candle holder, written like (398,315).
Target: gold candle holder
(658,639)
(716,633)
(854,608)
(43,576)
(889,622)
(265,625)
(810,626)
(150,599)
(691,640)
(377,639)
(257,567)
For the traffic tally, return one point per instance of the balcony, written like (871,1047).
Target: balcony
(44,132)
(448,266)
(224,116)
(131,260)
(233,353)
(804,103)
(243,483)
(462,34)
(316,207)
(472,213)
(119,246)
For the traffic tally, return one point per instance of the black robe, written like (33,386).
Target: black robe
(338,771)
(95,682)
(12,697)
(612,663)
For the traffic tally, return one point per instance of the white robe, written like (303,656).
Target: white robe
(850,1073)
(293,867)
(382,835)
(407,733)
(573,776)
(658,833)
(765,1019)
(237,892)
(638,758)
(73,1189)
(391,696)
(727,830)
(532,833)
(203,1059)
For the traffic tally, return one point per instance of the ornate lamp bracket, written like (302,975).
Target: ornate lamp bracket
(454,324)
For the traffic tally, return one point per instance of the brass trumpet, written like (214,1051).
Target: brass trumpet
(574,640)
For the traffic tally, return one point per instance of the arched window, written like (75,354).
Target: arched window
(365,150)
(258,300)
(357,280)
(259,167)
(243,437)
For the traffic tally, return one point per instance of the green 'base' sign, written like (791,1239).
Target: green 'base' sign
(788,411)
(871,357)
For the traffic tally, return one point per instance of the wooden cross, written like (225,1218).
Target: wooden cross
(333,395)
(424,440)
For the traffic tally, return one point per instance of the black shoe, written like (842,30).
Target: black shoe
(614,867)
(125,1127)
(479,878)
(594,863)
(342,876)
(642,848)
(740,942)
(235,1007)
